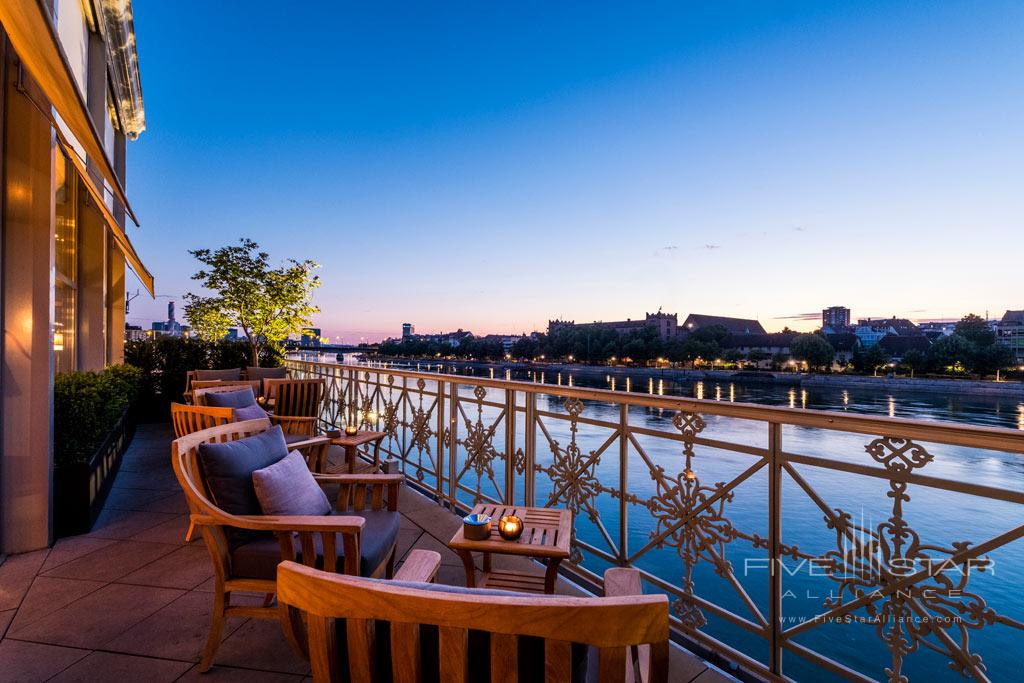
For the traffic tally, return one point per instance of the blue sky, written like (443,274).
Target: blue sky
(491,165)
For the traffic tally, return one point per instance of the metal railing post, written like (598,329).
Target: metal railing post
(453,441)
(774,544)
(530,450)
(439,461)
(623,482)
(510,446)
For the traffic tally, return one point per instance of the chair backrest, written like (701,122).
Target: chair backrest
(188,419)
(202,387)
(185,461)
(616,627)
(297,397)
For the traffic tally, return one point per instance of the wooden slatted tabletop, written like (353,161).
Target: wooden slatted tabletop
(547,533)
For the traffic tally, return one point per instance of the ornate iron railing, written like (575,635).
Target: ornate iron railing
(773,530)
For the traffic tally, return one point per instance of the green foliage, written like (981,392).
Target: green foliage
(812,349)
(869,360)
(267,303)
(989,359)
(915,361)
(164,361)
(975,329)
(526,347)
(86,406)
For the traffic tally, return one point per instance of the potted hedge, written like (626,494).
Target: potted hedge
(93,424)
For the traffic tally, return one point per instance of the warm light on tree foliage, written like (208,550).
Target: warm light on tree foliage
(267,303)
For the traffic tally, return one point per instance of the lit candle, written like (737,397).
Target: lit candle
(351,430)
(510,527)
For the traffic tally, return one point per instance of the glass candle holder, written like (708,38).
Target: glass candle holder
(510,527)
(351,430)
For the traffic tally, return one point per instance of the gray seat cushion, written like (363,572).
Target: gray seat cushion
(238,398)
(258,558)
(296,438)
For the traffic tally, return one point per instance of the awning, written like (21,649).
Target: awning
(32,35)
(116,231)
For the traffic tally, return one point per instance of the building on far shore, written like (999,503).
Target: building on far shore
(870,332)
(1011,332)
(408,330)
(695,321)
(667,325)
(835,319)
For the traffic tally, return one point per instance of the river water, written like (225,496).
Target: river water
(937,517)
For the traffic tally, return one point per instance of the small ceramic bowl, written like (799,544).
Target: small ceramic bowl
(476,527)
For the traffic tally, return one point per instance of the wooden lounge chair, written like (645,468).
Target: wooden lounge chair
(187,419)
(627,631)
(246,561)
(300,432)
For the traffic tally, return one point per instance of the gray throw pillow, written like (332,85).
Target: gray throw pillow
(253,412)
(240,398)
(288,488)
(228,468)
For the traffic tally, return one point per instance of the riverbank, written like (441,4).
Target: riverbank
(969,387)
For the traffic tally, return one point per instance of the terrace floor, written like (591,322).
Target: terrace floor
(131,600)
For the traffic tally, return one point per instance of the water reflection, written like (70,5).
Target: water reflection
(953,407)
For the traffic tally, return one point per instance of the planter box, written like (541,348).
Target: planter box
(80,489)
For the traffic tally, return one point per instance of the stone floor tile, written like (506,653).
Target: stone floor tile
(171,531)
(108,666)
(126,523)
(177,631)
(228,674)
(186,568)
(113,561)
(33,662)
(133,499)
(98,617)
(406,539)
(71,548)
(260,644)
(16,575)
(49,594)
(174,504)
(709,675)
(6,617)
(428,542)
(157,480)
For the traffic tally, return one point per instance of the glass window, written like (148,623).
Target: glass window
(66,264)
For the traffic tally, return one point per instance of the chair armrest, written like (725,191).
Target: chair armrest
(420,565)
(311,441)
(622,582)
(298,523)
(360,478)
(294,425)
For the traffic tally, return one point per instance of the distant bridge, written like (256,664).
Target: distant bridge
(333,348)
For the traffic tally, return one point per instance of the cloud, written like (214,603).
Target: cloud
(799,316)
(800,229)
(712,246)
(667,250)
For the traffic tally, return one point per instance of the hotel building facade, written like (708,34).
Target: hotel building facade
(70,101)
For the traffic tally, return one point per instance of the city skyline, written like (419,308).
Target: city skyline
(522,163)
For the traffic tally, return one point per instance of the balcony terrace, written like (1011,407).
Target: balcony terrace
(131,600)
(888,538)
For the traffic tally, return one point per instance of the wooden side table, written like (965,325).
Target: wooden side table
(547,533)
(352,443)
